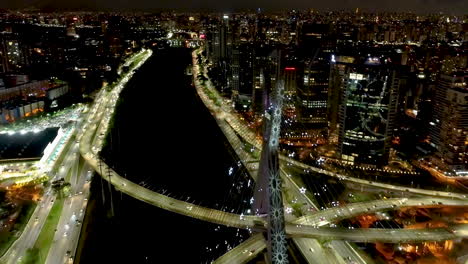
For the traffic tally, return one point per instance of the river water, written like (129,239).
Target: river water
(164,138)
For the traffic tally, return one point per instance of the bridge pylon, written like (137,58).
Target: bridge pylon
(267,197)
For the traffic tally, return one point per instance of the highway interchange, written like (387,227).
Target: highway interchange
(89,139)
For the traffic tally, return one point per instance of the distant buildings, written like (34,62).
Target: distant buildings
(365,80)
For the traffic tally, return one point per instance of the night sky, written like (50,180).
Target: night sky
(449,6)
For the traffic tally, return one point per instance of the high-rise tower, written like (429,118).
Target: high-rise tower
(362,106)
(449,127)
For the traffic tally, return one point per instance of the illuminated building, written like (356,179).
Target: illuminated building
(219,47)
(317,43)
(265,72)
(449,128)
(220,41)
(290,80)
(241,74)
(368,93)
(312,95)
(13,54)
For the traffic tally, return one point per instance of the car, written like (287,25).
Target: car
(36,219)
(68,253)
(65,234)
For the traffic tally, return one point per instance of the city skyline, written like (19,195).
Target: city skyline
(457,7)
(252,137)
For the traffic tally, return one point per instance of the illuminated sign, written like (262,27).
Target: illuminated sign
(345,59)
(290,69)
(373,61)
(356,76)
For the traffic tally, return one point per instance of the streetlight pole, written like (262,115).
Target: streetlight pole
(109,183)
(102,184)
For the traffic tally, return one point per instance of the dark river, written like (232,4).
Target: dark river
(165,139)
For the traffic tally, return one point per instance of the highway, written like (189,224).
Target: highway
(33,228)
(333,214)
(244,252)
(386,186)
(68,229)
(372,235)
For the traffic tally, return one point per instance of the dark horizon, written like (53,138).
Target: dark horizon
(459,7)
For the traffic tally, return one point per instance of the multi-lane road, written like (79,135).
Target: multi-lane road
(66,237)
(18,249)
(65,160)
(333,214)
(244,252)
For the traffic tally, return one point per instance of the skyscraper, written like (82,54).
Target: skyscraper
(449,128)
(313,94)
(317,43)
(367,94)
(241,74)
(220,45)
